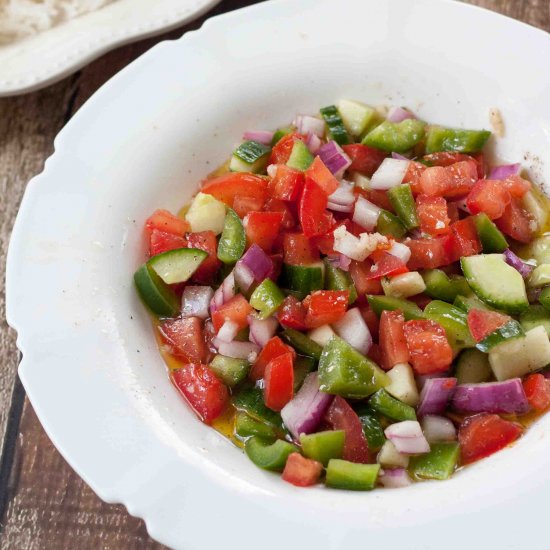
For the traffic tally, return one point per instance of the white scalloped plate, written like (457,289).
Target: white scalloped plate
(47,57)
(90,363)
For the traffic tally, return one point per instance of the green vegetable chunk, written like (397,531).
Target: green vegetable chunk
(302,343)
(472,367)
(267,454)
(544,298)
(233,238)
(267,298)
(453,320)
(156,295)
(402,200)
(439,463)
(302,367)
(344,371)
(512,329)
(230,371)
(177,266)
(492,240)
(391,225)
(281,133)
(338,279)
(535,316)
(396,136)
(246,426)
(303,279)
(466,303)
(250,156)
(391,407)
(323,446)
(250,400)
(442,287)
(336,129)
(390,303)
(457,140)
(372,428)
(342,474)
(300,157)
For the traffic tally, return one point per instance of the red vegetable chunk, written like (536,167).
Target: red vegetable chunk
(314,217)
(185,338)
(279,381)
(227,187)
(482,323)
(517,186)
(516,222)
(299,250)
(537,390)
(205,240)
(364,159)
(386,265)
(236,310)
(484,434)
(322,176)
(292,314)
(393,345)
(463,240)
(162,241)
(489,196)
(428,346)
(274,348)
(262,228)
(203,391)
(360,272)
(302,471)
(164,221)
(243,204)
(433,216)
(428,253)
(281,151)
(287,183)
(325,307)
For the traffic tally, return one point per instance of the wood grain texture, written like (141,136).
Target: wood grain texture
(47,504)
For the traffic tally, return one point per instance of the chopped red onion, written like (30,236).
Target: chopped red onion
(313,143)
(546,374)
(237,350)
(195,301)
(366,213)
(507,396)
(306,124)
(244,278)
(517,263)
(398,114)
(421,379)
(258,262)
(395,478)
(305,411)
(228,331)
(228,287)
(353,329)
(389,174)
(261,136)
(504,171)
(343,195)
(399,156)
(341,261)
(438,428)
(262,330)
(407,437)
(435,395)
(401,251)
(339,207)
(334,158)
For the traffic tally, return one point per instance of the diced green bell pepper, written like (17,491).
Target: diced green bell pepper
(302,367)
(267,454)
(323,446)
(389,224)
(402,200)
(246,426)
(300,156)
(233,238)
(342,474)
(439,463)
(492,239)
(442,287)
(336,129)
(372,428)
(344,371)
(456,140)
(453,320)
(396,136)
(391,407)
(535,316)
(380,303)
(302,343)
(250,400)
(338,279)
(281,133)
(230,371)
(267,298)
(303,279)
(156,295)
(466,303)
(512,329)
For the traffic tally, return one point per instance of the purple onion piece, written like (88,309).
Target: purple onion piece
(398,156)
(505,171)
(236,349)
(517,263)
(393,479)
(398,114)
(407,437)
(262,330)
(259,263)
(421,379)
(334,158)
(492,397)
(195,301)
(261,136)
(435,395)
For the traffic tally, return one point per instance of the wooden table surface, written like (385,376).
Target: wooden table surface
(43,503)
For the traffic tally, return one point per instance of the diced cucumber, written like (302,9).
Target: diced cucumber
(342,474)
(356,116)
(453,320)
(495,282)
(206,213)
(457,140)
(156,295)
(393,408)
(396,136)
(379,303)
(535,316)
(402,200)
(537,204)
(439,463)
(466,303)
(390,457)
(177,266)
(303,279)
(472,367)
(492,240)
(338,279)
(508,331)
(250,156)
(544,298)
(302,343)
(403,285)
(443,287)
(389,224)
(323,446)
(281,133)
(540,276)
(538,250)
(230,371)
(402,384)
(233,239)
(335,125)
(300,157)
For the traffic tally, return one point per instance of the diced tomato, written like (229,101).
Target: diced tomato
(463,240)
(314,217)
(161,241)
(413,176)
(483,434)
(275,347)
(360,272)
(393,345)
(322,176)
(277,205)
(325,307)
(433,216)
(427,253)
(364,159)
(516,222)
(243,204)
(281,151)
(279,381)
(378,197)
(301,471)
(203,391)
(517,186)
(488,196)
(375,354)
(205,240)
(446,158)
(228,186)
(428,346)
(434,181)
(292,314)
(452,211)
(482,323)
(463,176)
(185,338)
(287,183)
(262,228)
(340,416)
(236,310)
(537,390)
(421,300)
(372,321)
(164,221)
(299,250)
(386,265)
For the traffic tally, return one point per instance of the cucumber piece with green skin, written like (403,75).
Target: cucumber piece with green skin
(538,250)
(246,426)
(466,303)
(303,279)
(495,282)
(177,266)
(335,125)
(267,454)
(535,316)
(380,303)
(323,446)
(456,140)
(156,295)
(472,367)
(389,224)
(442,287)
(492,239)
(453,320)
(338,279)
(540,276)
(302,343)
(544,298)
(512,329)
(391,407)
(233,238)
(439,463)
(356,116)
(396,137)
(281,133)
(402,200)
(300,156)
(403,285)
(230,371)
(250,156)
(342,474)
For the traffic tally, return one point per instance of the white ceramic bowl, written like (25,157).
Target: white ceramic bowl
(90,363)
